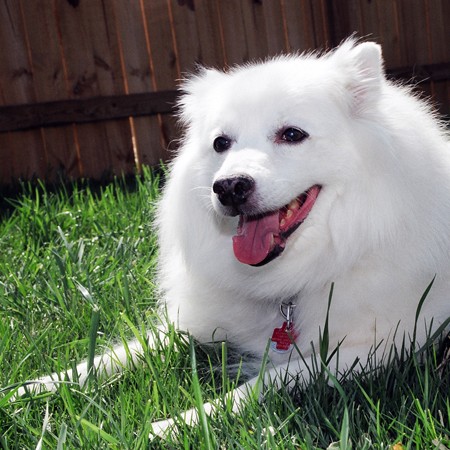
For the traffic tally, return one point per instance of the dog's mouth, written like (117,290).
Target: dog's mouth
(262,238)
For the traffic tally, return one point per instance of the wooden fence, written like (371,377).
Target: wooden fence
(87,86)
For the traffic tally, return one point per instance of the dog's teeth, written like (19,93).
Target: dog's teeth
(289,213)
(272,241)
(283,221)
(293,205)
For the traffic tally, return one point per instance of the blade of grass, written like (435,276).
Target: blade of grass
(208,442)
(102,433)
(44,427)
(62,437)
(93,330)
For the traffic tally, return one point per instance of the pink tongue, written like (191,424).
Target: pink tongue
(254,239)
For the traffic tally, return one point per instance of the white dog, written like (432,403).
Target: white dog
(294,174)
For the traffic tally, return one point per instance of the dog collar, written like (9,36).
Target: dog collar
(283,338)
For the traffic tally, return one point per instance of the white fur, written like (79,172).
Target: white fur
(379,229)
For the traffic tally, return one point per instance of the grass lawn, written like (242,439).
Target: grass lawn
(77,273)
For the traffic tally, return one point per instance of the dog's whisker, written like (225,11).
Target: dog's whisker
(200,188)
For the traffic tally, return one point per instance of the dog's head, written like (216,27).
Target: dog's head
(277,142)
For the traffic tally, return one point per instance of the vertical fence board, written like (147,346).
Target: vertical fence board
(439,30)
(439,34)
(92,62)
(192,51)
(163,53)
(300,27)
(414,43)
(277,40)
(321,20)
(413,27)
(232,24)
(387,31)
(164,58)
(137,74)
(50,84)
(22,155)
(255,30)
(185,29)
(209,31)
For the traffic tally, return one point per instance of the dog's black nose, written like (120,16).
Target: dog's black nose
(235,190)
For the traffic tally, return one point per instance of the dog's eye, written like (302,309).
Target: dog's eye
(221,144)
(293,135)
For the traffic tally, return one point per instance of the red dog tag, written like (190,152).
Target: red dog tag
(283,338)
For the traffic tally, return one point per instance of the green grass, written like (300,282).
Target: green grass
(77,273)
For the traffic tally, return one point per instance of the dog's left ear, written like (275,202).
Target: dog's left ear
(193,102)
(363,64)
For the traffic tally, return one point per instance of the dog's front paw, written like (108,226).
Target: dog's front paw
(163,429)
(167,428)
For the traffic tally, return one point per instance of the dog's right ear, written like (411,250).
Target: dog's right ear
(194,92)
(362,65)
(369,72)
